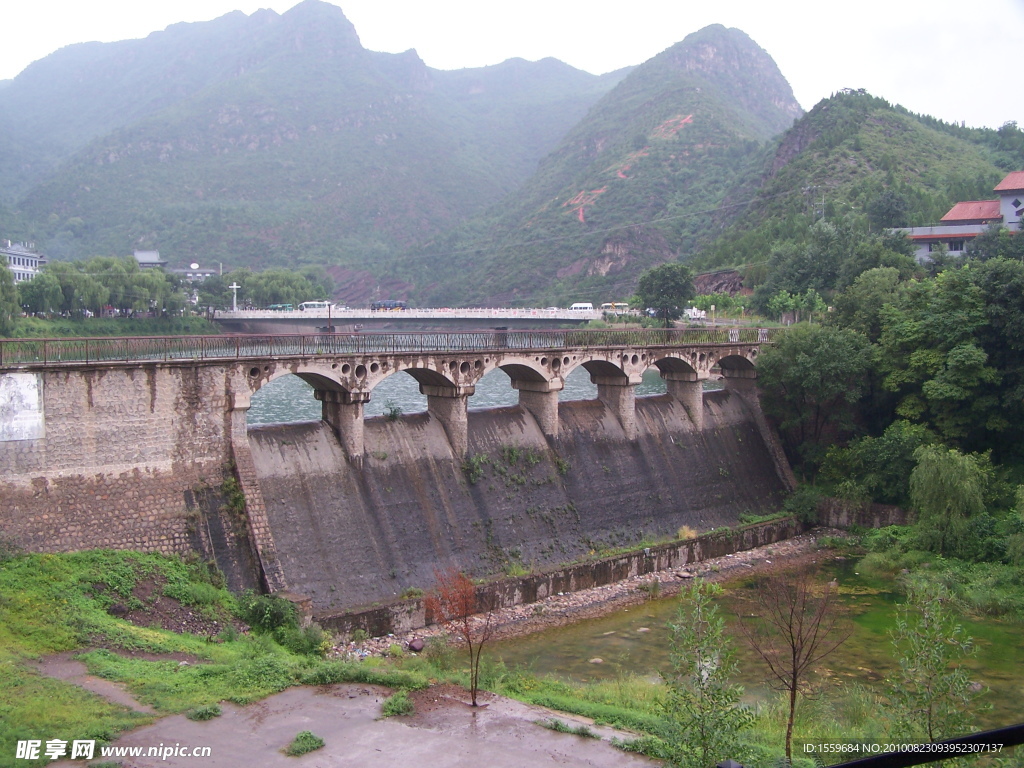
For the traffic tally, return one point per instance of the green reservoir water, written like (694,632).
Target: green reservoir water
(635,641)
(290,399)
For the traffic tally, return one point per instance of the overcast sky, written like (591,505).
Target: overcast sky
(955,60)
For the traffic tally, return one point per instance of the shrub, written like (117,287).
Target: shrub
(266,612)
(397,703)
(309,641)
(803,504)
(305,741)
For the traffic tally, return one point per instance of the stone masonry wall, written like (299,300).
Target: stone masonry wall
(120,449)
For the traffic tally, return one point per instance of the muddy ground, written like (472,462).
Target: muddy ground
(444,731)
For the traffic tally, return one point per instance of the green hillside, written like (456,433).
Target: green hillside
(269,139)
(627,186)
(858,161)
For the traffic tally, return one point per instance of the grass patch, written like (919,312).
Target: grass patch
(52,603)
(397,704)
(554,724)
(204,713)
(304,741)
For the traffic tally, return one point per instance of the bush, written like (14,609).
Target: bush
(266,612)
(396,704)
(803,504)
(309,641)
(305,741)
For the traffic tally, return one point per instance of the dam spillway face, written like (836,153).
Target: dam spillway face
(350,533)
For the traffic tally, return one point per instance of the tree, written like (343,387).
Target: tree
(453,604)
(932,359)
(859,306)
(931,693)
(666,289)
(877,468)
(798,625)
(810,382)
(947,488)
(702,705)
(10,309)
(888,209)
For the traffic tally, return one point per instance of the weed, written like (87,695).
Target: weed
(305,741)
(397,703)
(392,410)
(510,454)
(473,466)
(359,636)
(652,588)
(561,465)
(685,533)
(555,724)
(380,455)
(204,713)
(411,593)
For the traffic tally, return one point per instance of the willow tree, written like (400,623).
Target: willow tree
(947,488)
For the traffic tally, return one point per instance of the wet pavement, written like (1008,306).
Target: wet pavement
(445,731)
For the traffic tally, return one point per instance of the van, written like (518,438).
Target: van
(582,306)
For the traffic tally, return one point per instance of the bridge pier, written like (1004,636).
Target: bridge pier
(450,406)
(343,411)
(688,389)
(743,382)
(618,394)
(540,398)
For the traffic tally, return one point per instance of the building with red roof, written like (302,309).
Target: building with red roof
(968,219)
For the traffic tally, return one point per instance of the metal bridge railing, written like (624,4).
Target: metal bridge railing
(134,349)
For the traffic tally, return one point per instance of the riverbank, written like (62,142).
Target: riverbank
(569,608)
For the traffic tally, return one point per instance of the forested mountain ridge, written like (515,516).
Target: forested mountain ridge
(857,161)
(268,139)
(628,186)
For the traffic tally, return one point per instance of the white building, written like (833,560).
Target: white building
(966,220)
(22,259)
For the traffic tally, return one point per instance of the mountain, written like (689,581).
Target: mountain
(858,159)
(629,185)
(269,139)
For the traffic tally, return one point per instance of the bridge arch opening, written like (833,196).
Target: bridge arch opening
(396,394)
(288,399)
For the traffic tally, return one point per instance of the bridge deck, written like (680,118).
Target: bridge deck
(34,353)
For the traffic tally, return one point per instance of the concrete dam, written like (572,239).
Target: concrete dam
(130,451)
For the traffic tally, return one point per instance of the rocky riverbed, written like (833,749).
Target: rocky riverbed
(570,607)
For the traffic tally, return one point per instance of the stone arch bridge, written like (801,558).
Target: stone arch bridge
(101,438)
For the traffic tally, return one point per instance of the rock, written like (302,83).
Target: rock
(596,660)
(684,575)
(416,645)
(644,629)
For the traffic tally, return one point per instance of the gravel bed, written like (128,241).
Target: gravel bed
(570,607)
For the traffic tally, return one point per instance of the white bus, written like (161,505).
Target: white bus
(316,305)
(582,306)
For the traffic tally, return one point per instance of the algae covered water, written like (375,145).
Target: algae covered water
(636,641)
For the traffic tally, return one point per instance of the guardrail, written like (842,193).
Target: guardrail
(54,352)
